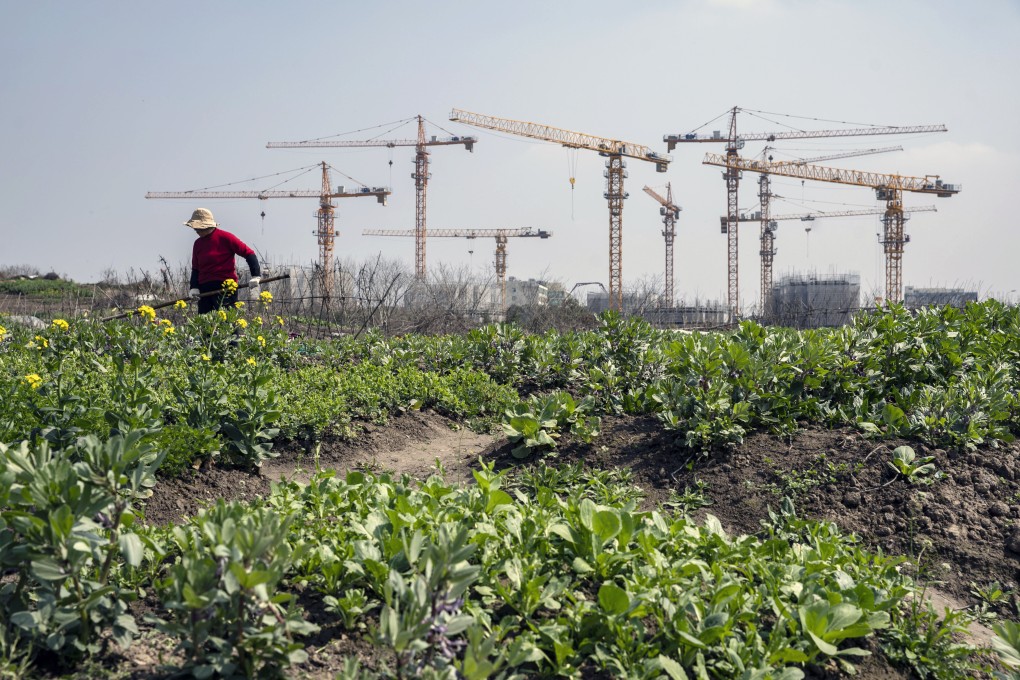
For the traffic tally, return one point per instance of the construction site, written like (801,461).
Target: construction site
(800,299)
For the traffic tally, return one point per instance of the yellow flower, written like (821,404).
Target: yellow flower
(33,380)
(168,330)
(243,323)
(61,324)
(206,357)
(265,297)
(180,304)
(229,286)
(279,320)
(147,312)
(3,332)
(222,314)
(262,341)
(43,342)
(239,304)
(251,362)
(258,320)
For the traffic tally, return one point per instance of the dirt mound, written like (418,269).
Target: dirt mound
(963,528)
(959,529)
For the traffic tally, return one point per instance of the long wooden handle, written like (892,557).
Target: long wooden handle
(203,295)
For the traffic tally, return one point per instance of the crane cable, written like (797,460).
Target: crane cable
(572,172)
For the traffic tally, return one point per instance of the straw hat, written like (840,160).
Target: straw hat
(201,219)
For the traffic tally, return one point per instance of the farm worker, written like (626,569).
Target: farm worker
(212,262)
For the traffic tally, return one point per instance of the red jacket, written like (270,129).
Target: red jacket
(212,257)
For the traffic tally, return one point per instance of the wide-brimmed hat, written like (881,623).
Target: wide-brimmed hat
(201,219)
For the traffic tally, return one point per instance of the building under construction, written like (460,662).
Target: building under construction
(695,315)
(813,301)
(915,298)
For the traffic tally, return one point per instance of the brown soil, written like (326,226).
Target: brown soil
(963,529)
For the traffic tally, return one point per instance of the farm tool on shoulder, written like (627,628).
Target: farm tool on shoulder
(203,295)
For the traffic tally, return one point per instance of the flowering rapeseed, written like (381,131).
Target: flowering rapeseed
(239,304)
(147,312)
(230,286)
(279,320)
(180,304)
(222,314)
(39,343)
(265,297)
(243,323)
(251,362)
(262,341)
(258,320)
(206,357)
(61,324)
(33,380)
(3,332)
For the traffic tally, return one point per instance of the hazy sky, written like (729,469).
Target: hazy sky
(103,101)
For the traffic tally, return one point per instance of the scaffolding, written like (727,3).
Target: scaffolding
(813,301)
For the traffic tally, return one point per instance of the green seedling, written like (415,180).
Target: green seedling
(916,470)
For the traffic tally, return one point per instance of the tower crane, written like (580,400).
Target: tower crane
(670,212)
(614,149)
(888,188)
(501,235)
(767,252)
(420,175)
(325,215)
(731,174)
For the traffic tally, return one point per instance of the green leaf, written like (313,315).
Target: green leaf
(613,599)
(580,566)
(606,524)
(497,498)
(131,548)
(823,646)
(26,620)
(48,570)
(673,669)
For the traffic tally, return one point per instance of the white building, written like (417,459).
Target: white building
(526,293)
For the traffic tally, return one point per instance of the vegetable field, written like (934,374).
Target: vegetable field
(758,503)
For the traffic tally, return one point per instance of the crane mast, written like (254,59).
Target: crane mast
(732,175)
(670,212)
(888,188)
(325,216)
(421,180)
(615,150)
(420,175)
(501,236)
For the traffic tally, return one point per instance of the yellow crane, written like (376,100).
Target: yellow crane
(767,252)
(325,230)
(888,188)
(420,175)
(501,235)
(731,175)
(670,211)
(614,149)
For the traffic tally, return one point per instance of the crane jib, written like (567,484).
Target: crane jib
(930,184)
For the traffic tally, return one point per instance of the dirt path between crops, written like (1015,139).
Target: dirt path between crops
(415,443)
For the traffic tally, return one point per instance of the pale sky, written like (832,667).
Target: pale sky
(101,102)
